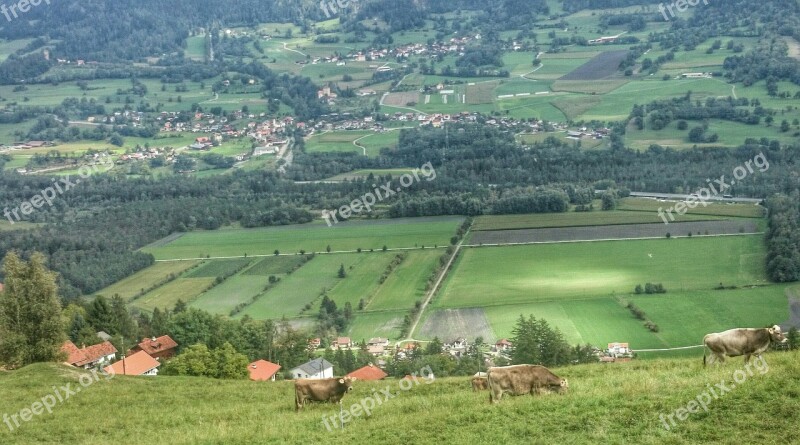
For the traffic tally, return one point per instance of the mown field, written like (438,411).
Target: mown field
(582,288)
(571,219)
(635,397)
(551,272)
(315,237)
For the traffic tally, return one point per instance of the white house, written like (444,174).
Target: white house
(319,368)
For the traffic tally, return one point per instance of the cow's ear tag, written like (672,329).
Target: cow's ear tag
(341,380)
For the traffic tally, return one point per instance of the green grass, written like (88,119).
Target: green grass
(166,296)
(377,324)
(303,286)
(233,291)
(218,268)
(362,278)
(712,209)
(571,219)
(127,288)
(554,272)
(619,403)
(406,284)
(312,238)
(274,265)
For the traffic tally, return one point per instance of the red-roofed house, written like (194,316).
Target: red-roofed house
(88,357)
(342,343)
(369,372)
(139,363)
(262,370)
(161,347)
(502,345)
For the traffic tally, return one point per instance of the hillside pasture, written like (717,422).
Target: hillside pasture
(640,395)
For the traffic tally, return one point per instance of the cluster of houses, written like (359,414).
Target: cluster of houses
(616,352)
(581,133)
(142,359)
(455,45)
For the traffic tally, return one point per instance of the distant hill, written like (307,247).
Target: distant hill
(614,403)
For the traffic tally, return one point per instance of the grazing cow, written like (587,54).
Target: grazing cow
(736,342)
(523,379)
(480,383)
(321,390)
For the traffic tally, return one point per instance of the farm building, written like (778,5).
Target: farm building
(262,370)
(342,343)
(378,341)
(502,345)
(369,372)
(88,357)
(319,368)
(139,363)
(160,347)
(618,349)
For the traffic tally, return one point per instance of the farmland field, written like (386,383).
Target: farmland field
(376,324)
(218,268)
(314,237)
(600,67)
(185,289)
(718,209)
(146,278)
(274,265)
(572,219)
(302,287)
(449,324)
(620,231)
(406,284)
(226,296)
(554,272)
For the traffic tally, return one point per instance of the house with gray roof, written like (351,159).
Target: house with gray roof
(319,368)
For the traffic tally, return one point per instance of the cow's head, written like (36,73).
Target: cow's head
(563,386)
(347,382)
(776,334)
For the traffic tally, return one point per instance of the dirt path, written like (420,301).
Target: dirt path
(435,287)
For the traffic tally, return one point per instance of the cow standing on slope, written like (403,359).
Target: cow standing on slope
(321,390)
(736,342)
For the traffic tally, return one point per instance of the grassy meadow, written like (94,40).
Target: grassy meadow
(617,403)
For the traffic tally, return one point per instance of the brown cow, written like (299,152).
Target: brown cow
(321,390)
(523,379)
(736,342)
(480,383)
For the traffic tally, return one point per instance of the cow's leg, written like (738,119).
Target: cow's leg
(746,359)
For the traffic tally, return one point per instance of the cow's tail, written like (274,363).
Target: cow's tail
(705,348)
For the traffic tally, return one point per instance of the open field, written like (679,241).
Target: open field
(219,268)
(302,287)
(313,237)
(361,174)
(450,324)
(274,265)
(362,280)
(620,231)
(600,67)
(406,284)
(711,209)
(166,296)
(146,278)
(554,272)
(376,324)
(192,410)
(226,296)
(571,219)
